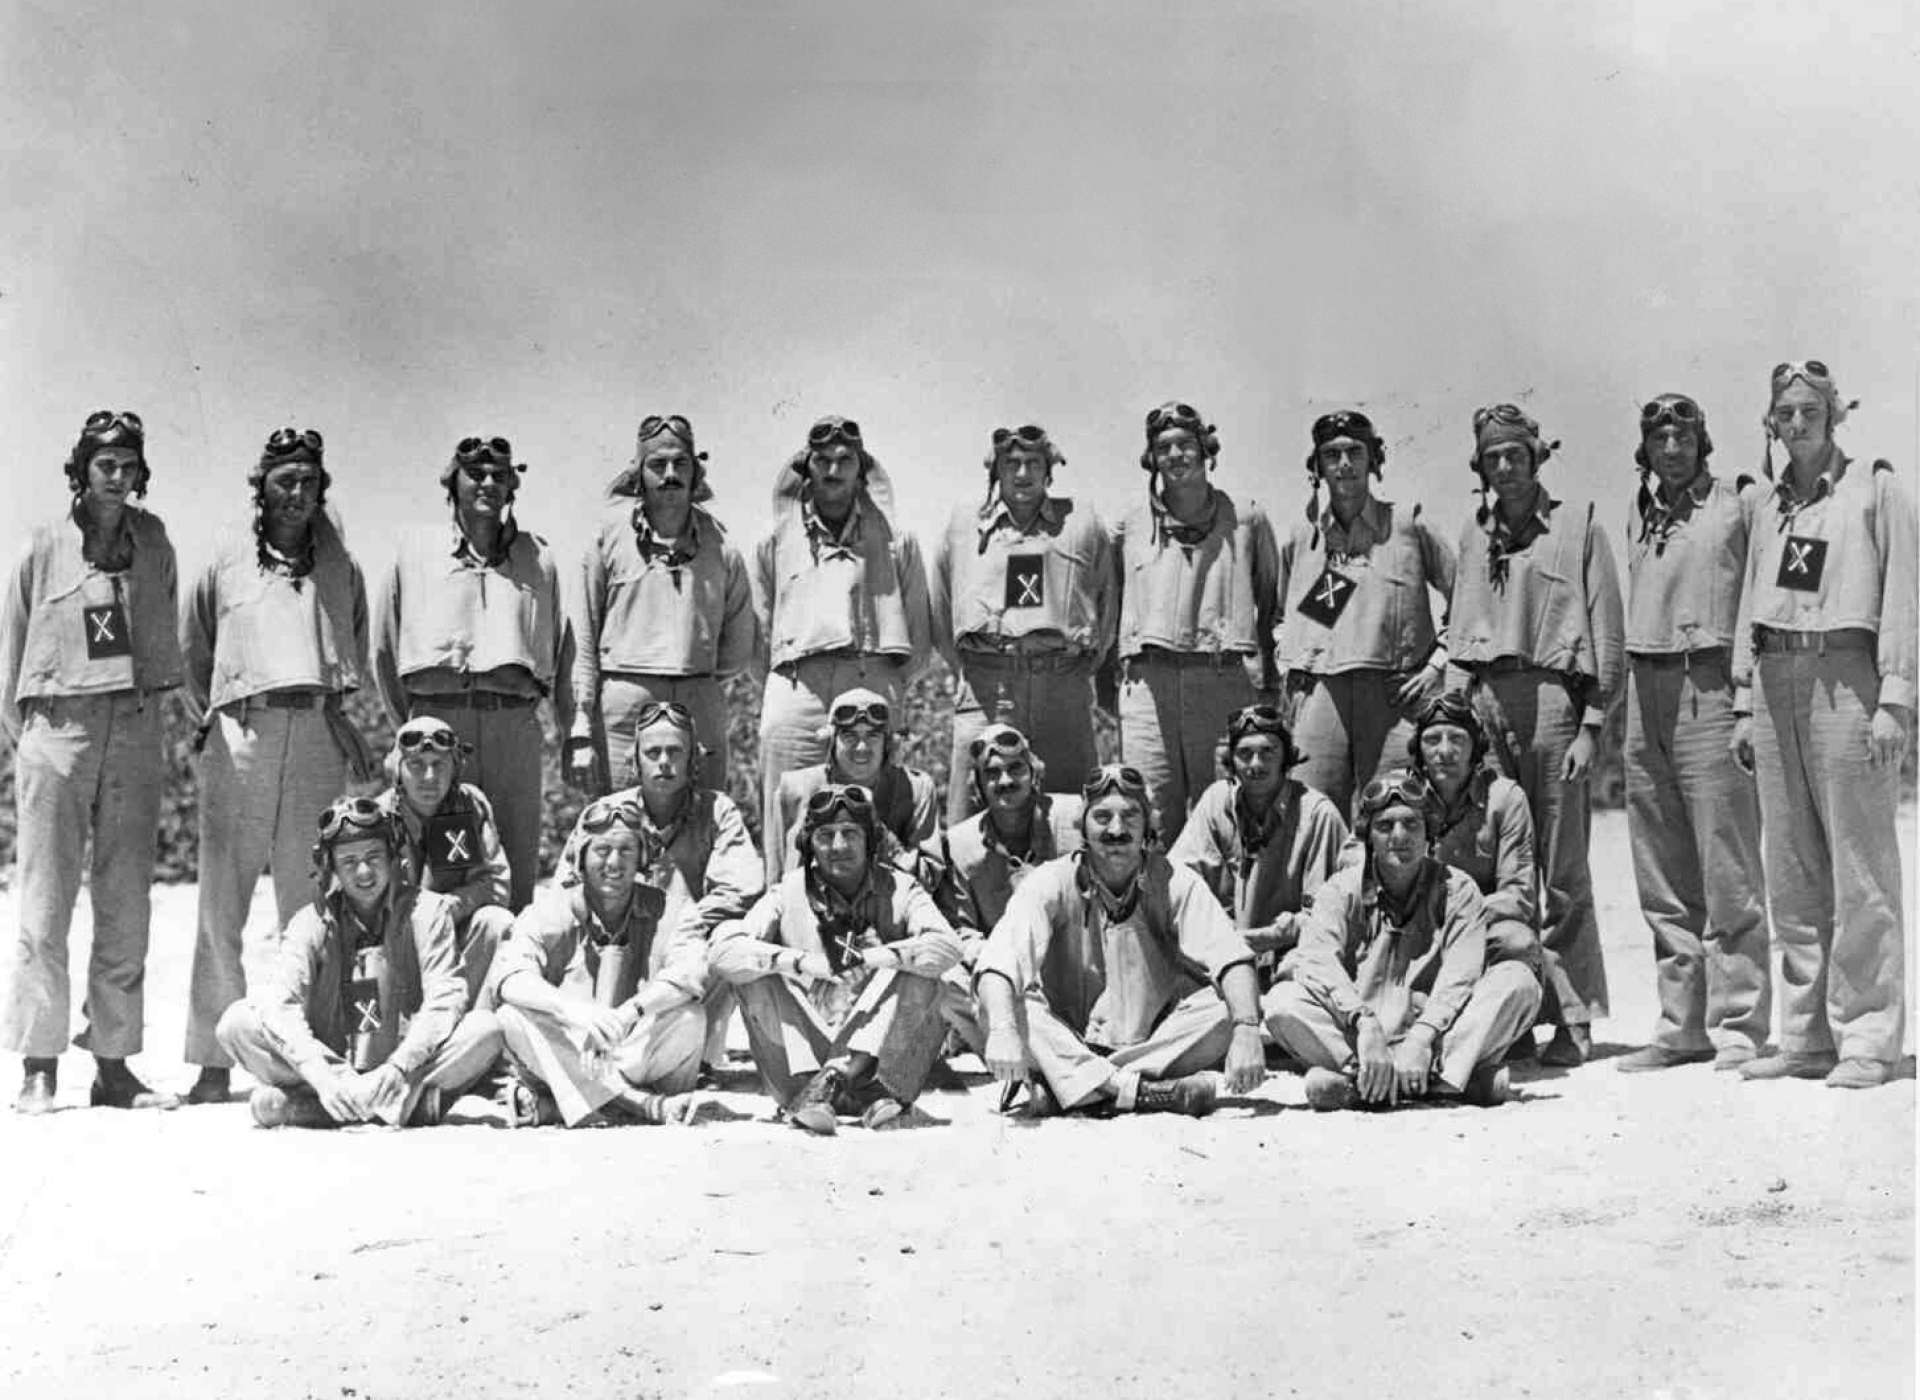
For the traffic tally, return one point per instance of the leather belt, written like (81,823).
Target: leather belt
(287,699)
(1774,639)
(1704,655)
(1025,661)
(1166,656)
(481,700)
(1501,665)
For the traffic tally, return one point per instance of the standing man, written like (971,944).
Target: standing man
(471,631)
(1357,650)
(1198,577)
(1116,978)
(1262,841)
(87,651)
(841,596)
(1825,661)
(450,842)
(664,612)
(1023,610)
(838,971)
(1693,815)
(1537,631)
(859,750)
(362,1019)
(599,989)
(1390,1000)
(275,634)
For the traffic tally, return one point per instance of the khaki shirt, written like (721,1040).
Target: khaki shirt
(995,587)
(560,939)
(67,628)
(890,910)
(456,850)
(972,876)
(1112,980)
(1551,601)
(1262,875)
(1413,971)
(1843,558)
(862,589)
(1686,561)
(707,865)
(1360,597)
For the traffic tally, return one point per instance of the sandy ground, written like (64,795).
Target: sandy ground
(1680,1236)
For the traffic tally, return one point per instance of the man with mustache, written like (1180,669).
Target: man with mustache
(88,651)
(361,1020)
(469,628)
(1263,841)
(664,611)
(274,632)
(599,989)
(838,971)
(1115,982)
(1390,999)
(451,843)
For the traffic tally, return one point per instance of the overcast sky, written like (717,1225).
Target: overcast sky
(405,224)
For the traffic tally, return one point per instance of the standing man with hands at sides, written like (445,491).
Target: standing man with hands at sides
(361,1020)
(599,988)
(274,633)
(663,612)
(1357,650)
(841,595)
(1391,1000)
(1023,609)
(88,651)
(470,630)
(1115,981)
(1198,575)
(1537,638)
(1824,677)
(1693,815)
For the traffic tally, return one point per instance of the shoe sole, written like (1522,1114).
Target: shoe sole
(818,1121)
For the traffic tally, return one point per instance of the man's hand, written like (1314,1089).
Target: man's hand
(1246,1061)
(604,1027)
(1579,756)
(1420,687)
(1280,936)
(813,967)
(339,1094)
(1412,1065)
(583,768)
(1741,744)
(1887,740)
(1376,1077)
(881,959)
(1006,1054)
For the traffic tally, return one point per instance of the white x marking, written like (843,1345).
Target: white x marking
(1029,589)
(1797,557)
(103,627)
(369,1013)
(457,846)
(1329,591)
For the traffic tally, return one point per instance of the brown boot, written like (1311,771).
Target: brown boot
(1192,1094)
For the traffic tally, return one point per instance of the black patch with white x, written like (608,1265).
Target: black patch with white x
(1802,564)
(450,842)
(107,632)
(1026,580)
(1328,598)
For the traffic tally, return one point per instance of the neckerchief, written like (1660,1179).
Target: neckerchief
(1039,844)
(1788,503)
(665,833)
(1429,887)
(1504,540)
(1659,513)
(844,921)
(467,552)
(295,566)
(112,554)
(1114,908)
(995,516)
(1256,829)
(823,539)
(1168,526)
(1346,542)
(676,554)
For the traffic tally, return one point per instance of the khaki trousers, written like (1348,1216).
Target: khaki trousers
(662,1054)
(1050,702)
(467,1054)
(621,698)
(895,1018)
(793,714)
(1348,726)
(1504,1002)
(265,777)
(1833,857)
(1694,820)
(1173,719)
(1192,1036)
(85,766)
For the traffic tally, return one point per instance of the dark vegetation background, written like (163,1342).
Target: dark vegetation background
(926,730)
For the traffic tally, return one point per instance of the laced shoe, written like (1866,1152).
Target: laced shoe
(1329,1090)
(274,1107)
(814,1110)
(1192,1095)
(1488,1086)
(1652,1057)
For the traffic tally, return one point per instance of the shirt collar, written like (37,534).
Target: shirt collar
(1167,525)
(651,544)
(823,534)
(1823,485)
(1369,528)
(1429,887)
(1094,894)
(1039,834)
(467,552)
(995,515)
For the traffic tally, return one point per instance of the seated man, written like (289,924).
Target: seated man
(859,750)
(838,972)
(972,868)
(360,1020)
(1117,976)
(452,843)
(598,998)
(1391,1000)
(703,857)
(1261,840)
